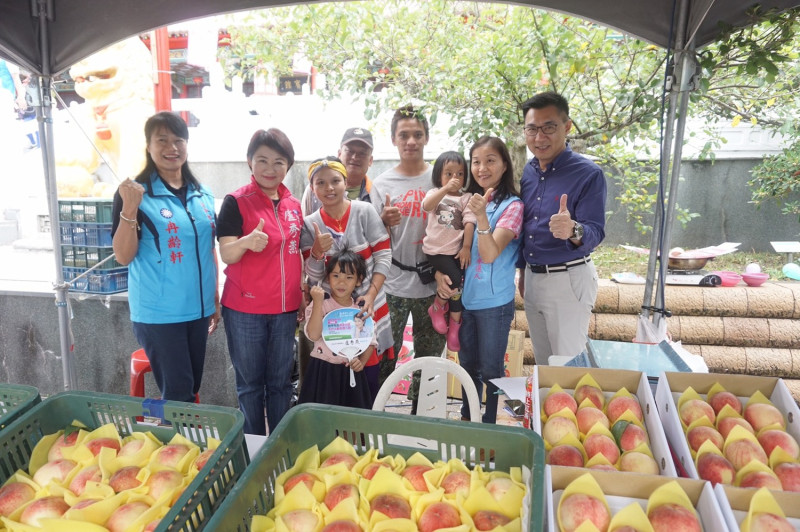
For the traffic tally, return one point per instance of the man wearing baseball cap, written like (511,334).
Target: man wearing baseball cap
(355,152)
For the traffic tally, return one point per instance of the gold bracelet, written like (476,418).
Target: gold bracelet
(134,223)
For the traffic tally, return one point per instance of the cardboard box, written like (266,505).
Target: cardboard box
(610,381)
(735,503)
(512,363)
(634,488)
(672,385)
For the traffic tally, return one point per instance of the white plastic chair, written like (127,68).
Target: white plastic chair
(432,387)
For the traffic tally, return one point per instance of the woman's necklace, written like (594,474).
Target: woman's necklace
(338,224)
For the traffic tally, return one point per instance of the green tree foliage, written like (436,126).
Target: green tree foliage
(478,62)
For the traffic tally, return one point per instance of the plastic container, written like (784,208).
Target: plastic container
(310,424)
(88,256)
(97,281)
(93,210)
(729,278)
(195,422)
(15,400)
(85,234)
(755,279)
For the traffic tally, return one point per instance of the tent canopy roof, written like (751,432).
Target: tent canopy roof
(79,28)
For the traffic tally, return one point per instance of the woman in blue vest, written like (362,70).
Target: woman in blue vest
(164,226)
(488,296)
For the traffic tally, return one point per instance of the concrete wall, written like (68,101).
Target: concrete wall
(30,352)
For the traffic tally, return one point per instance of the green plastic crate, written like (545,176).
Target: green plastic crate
(310,424)
(15,400)
(197,423)
(94,210)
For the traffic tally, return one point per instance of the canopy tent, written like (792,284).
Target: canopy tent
(47,36)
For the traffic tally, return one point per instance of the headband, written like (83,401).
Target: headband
(324,163)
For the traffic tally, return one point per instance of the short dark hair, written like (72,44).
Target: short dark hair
(408,111)
(546,99)
(506,187)
(174,123)
(349,262)
(272,138)
(447,157)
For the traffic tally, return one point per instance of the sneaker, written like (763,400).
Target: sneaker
(437,314)
(452,335)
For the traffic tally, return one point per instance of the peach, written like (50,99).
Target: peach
(438,515)
(62,441)
(588,416)
(593,394)
(456,482)
(578,508)
(601,444)
(306,478)
(489,520)
(344,525)
(720,399)
(671,517)
(766,522)
(789,475)
(620,404)
(340,492)
(761,479)
(499,486)
(13,495)
(122,518)
(726,424)
(628,435)
(125,479)
(300,520)
(715,468)
(557,427)
(761,415)
(772,438)
(555,402)
(695,409)
(741,452)
(701,433)
(339,458)
(91,473)
(44,508)
(371,468)
(202,459)
(163,482)
(391,505)
(131,448)
(56,471)
(565,455)
(98,443)
(414,474)
(170,455)
(636,462)
(152,525)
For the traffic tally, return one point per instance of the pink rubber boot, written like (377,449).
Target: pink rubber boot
(452,335)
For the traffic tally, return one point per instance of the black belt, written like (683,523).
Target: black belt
(562,267)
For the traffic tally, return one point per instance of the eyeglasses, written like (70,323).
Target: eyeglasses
(547,129)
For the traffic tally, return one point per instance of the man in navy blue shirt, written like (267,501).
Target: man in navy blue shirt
(565,196)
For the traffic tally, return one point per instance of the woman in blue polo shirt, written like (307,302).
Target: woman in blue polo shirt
(164,226)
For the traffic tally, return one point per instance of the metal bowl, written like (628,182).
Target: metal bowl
(675,263)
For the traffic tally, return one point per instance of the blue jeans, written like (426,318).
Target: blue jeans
(261,348)
(484,338)
(177,352)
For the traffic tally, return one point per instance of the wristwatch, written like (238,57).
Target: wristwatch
(577,232)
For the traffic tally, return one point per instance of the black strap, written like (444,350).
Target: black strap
(403,266)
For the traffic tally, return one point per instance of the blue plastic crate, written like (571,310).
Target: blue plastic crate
(97,281)
(85,234)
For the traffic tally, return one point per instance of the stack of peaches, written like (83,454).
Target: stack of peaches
(743,446)
(96,481)
(337,490)
(584,429)
(583,506)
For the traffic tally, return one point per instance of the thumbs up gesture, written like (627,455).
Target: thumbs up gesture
(477,203)
(322,241)
(257,240)
(562,225)
(390,214)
